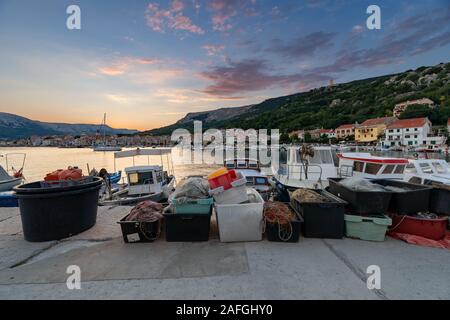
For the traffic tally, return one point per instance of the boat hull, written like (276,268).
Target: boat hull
(122,198)
(8,200)
(7,185)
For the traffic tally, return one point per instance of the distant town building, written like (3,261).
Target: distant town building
(415,132)
(329,133)
(300,134)
(401,107)
(371,129)
(345,130)
(407,132)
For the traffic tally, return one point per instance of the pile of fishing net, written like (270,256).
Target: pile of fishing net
(190,189)
(306,195)
(281,214)
(146,211)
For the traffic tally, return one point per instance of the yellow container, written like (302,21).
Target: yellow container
(218,173)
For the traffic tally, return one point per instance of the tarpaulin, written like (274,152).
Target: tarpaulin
(421,241)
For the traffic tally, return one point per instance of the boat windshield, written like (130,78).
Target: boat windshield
(426,168)
(321,157)
(441,168)
(137,178)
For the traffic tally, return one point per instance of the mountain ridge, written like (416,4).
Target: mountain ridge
(331,106)
(13,126)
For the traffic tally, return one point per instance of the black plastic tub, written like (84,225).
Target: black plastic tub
(187,227)
(59,214)
(361,202)
(440,201)
(274,233)
(322,219)
(41,187)
(134,231)
(414,199)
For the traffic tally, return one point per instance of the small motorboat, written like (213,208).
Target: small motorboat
(11,177)
(149,182)
(427,171)
(8,199)
(251,170)
(115,177)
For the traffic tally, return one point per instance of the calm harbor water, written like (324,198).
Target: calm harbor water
(40,161)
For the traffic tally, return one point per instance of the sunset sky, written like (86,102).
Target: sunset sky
(148,63)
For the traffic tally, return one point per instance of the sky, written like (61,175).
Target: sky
(148,63)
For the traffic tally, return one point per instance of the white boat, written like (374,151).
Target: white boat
(251,170)
(305,167)
(148,182)
(367,166)
(427,171)
(104,147)
(9,181)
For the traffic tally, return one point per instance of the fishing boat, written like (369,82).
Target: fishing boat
(367,166)
(104,147)
(11,177)
(427,171)
(8,199)
(305,166)
(145,182)
(251,170)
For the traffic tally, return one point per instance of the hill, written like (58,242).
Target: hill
(329,107)
(14,127)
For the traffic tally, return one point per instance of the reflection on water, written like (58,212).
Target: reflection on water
(41,161)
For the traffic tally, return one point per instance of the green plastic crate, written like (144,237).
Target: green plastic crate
(200,206)
(367,228)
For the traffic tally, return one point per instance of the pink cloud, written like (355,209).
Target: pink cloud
(212,49)
(173,18)
(120,66)
(225,10)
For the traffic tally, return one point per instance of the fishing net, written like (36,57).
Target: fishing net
(282,215)
(306,195)
(191,189)
(146,211)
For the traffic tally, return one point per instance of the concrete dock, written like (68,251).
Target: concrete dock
(309,269)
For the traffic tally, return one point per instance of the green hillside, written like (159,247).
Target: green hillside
(356,101)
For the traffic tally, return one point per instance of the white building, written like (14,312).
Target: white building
(412,133)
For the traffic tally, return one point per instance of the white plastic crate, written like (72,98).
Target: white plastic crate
(241,222)
(236,194)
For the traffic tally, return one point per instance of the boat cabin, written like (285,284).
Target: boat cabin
(427,171)
(145,179)
(306,166)
(241,164)
(365,165)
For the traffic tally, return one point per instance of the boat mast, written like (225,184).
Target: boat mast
(104,129)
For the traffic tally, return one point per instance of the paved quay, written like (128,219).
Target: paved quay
(309,269)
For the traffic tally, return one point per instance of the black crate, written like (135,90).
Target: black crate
(440,200)
(322,219)
(187,227)
(414,199)
(361,202)
(134,231)
(273,231)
